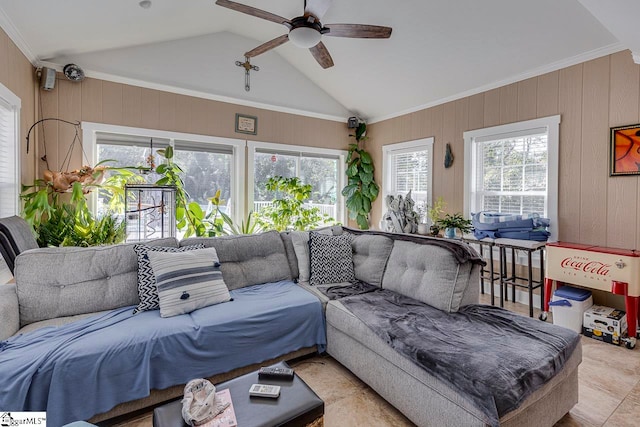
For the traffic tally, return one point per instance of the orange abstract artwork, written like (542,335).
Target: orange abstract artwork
(625,150)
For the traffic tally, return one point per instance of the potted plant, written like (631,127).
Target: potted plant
(435,213)
(451,222)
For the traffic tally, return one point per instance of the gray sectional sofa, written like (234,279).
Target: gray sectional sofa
(57,286)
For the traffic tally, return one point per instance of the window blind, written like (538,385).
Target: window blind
(8,163)
(411,171)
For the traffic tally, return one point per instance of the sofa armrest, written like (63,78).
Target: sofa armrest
(9,311)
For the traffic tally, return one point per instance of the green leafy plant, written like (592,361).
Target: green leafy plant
(287,212)
(67,223)
(455,221)
(361,189)
(247,226)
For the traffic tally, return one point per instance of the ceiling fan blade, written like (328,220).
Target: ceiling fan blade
(249,10)
(317,8)
(321,54)
(271,44)
(361,31)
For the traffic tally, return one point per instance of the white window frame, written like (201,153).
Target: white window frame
(301,150)
(89,138)
(552,125)
(15,104)
(389,150)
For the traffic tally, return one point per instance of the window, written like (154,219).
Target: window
(9,161)
(322,168)
(514,169)
(209,163)
(9,154)
(408,166)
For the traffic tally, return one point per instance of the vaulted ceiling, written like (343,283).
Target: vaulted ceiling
(439,50)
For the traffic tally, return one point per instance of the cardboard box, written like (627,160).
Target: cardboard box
(605,324)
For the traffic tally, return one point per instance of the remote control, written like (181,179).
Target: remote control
(264,390)
(276,373)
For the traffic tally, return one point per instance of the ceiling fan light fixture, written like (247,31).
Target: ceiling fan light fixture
(305,37)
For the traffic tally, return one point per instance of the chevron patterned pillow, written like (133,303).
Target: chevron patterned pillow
(188,280)
(147,289)
(331,259)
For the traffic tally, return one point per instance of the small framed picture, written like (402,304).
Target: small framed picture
(624,150)
(246,124)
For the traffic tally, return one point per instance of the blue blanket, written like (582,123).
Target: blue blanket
(89,366)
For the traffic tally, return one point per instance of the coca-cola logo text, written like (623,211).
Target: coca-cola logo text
(586,265)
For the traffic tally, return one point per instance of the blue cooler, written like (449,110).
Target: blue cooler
(568,305)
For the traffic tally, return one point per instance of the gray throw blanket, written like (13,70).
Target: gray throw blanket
(492,357)
(459,249)
(341,291)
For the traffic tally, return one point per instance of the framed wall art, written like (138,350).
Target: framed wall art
(246,124)
(624,150)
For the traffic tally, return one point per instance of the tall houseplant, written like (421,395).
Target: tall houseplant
(361,190)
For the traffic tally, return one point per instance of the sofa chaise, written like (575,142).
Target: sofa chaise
(68,286)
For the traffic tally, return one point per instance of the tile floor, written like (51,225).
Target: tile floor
(609,393)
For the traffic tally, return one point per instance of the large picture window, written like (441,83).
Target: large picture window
(209,163)
(514,169)
(321,168)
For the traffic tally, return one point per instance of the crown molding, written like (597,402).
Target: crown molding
(7,25)
(554,66)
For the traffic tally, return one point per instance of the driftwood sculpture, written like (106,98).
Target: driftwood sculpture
(401,216)
(63,181)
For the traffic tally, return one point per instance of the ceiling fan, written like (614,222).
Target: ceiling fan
(306,31)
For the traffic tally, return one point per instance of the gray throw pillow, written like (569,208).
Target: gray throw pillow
(147,290)
(300,240)
(188,280)
(331,259)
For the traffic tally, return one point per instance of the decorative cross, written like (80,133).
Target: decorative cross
(247,68)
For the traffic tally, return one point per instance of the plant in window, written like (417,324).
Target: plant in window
(288,212)
(361,190)
(451,222)
(57,222)
(435,213)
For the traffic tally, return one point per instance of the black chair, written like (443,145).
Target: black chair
(15,237)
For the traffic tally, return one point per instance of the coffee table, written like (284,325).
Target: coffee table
(297,406)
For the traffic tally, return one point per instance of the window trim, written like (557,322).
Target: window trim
(15,104)
(552,126)
(341,155)
(400,148)
(89,135)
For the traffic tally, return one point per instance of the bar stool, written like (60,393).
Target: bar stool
(487,272)
(506,279)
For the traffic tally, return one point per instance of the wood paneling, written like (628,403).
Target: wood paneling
(570,104)
(594,155)
(547,94)
(509,103)
(622,192)
(527,99)
(17,74)
(492,108)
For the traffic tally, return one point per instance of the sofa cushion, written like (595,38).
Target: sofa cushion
(56,282)
(331,259)
(187,280)
(427,273)
(286,237)
(147,288)
(370,255)
(300,240)
(248,259)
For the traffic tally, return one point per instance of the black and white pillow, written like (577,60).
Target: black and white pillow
(331,259)
(147,289)
(188,281)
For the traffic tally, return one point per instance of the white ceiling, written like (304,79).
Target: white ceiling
(439,49)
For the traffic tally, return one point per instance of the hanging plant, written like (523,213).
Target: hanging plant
(361,190)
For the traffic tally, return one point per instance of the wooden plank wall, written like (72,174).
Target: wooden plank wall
(590,97)
(17,74)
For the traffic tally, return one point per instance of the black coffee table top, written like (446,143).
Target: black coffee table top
(297,405)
